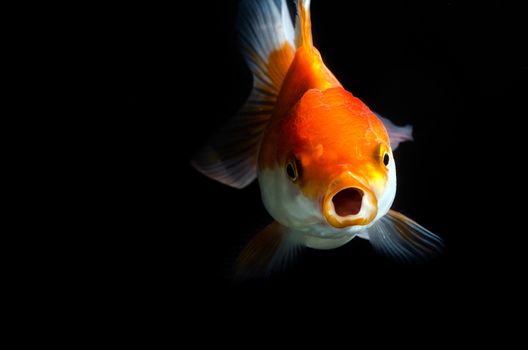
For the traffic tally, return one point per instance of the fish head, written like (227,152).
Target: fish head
(329,163)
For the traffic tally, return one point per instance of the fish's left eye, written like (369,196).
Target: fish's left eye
(386,159)
(383,155)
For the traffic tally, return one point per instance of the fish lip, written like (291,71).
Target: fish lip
(369,204)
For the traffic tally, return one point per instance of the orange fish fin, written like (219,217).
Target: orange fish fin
(307,71)
(274,248)
(303,26)
(267,40)
(397,134)
(402,239)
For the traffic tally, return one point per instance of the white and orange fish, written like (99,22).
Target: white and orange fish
(323,159)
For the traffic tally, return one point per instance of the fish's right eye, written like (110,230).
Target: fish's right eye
(293,168)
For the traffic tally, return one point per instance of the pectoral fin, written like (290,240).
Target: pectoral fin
(402,239)
(272,249)
(397,134)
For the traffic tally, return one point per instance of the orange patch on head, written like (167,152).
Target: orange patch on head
(331,131)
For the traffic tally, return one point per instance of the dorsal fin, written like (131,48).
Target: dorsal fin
(303,26)
(307,70)
(267,42)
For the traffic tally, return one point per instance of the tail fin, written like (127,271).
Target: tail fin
(303,26)
(267,40)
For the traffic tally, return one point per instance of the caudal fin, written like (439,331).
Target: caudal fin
(267,42)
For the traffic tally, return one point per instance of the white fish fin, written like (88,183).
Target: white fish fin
(267,42)
(303,26)
(274,248)
(230,155)
(402,239)
(266,37)
(397,134)
(363,234)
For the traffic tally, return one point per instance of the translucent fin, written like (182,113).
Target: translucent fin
(230,156)
(397,134)
(402,239)
(266,38)
(275,248)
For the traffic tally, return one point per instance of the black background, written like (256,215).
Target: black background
(457,73)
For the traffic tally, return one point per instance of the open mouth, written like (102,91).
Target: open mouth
(348,201)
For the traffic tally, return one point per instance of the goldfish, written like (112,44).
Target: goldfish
(324,161)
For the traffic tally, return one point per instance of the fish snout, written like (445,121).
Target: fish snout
(350,205)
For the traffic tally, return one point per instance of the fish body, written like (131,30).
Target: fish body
(323,159)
